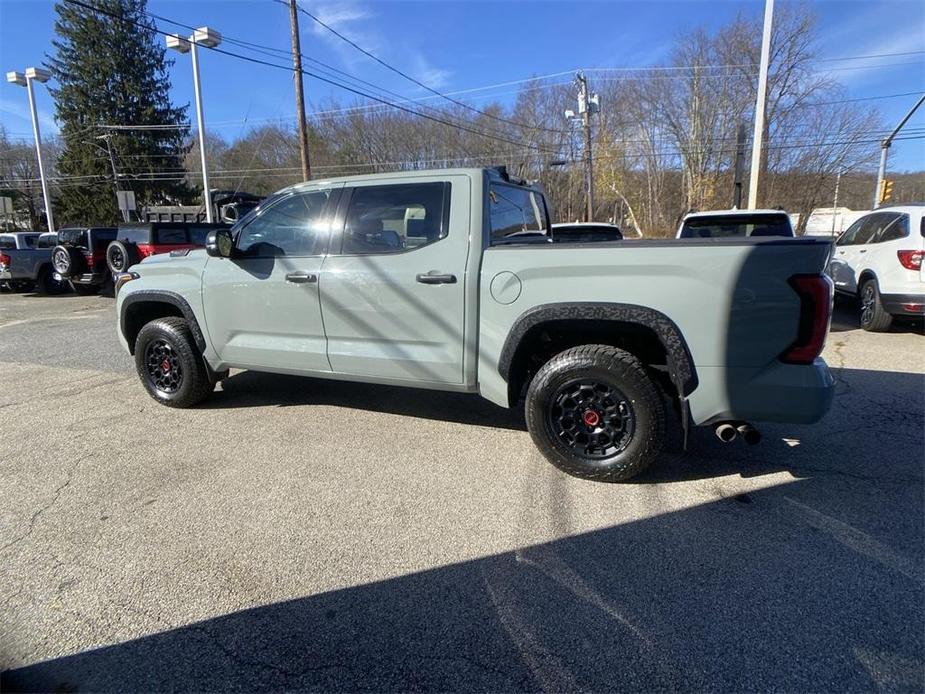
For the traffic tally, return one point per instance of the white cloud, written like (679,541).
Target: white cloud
(358,23)
(21,111)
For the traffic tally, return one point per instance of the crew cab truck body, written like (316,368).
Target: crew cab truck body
(25,262)
(447,280)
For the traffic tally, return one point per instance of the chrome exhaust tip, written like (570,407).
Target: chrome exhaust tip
(725,432)
(749,434)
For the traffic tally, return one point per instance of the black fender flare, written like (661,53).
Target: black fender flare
(163,297)
(680,363)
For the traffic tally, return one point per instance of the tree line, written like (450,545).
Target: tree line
(664,142)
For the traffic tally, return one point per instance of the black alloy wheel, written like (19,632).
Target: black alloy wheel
(163,365)
(592,417)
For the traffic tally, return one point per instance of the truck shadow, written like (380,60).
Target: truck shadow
(871,410)
(783,588)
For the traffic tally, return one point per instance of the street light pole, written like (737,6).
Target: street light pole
(760,105)
(885,147)
(25,80)
(210,39)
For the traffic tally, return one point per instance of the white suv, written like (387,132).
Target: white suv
(879,260)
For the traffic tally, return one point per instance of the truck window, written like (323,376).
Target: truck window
(719,226)
(30,240)
(169,236)
(47,241)
(292,226)
(135,234)
(7,242)
(73,237)
(394,218)
(516,212)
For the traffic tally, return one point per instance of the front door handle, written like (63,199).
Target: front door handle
(434,277)
(301,277)
(863,250)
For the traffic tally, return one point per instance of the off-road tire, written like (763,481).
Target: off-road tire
(120,256)
(68,261)
(621,373)
(48,285)
(194,384)
(872,316)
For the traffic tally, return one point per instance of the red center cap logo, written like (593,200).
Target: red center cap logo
(592,418)
(165,366)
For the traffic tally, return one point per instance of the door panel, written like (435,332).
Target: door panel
(393,302)
(262,307)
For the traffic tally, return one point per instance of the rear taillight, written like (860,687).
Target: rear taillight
(911,260)
(4,259)
(815,292)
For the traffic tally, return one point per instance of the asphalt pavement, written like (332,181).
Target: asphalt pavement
(293,533)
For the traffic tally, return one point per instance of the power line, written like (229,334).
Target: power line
(444,121)
(408,77)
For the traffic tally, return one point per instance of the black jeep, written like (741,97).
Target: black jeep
(80,258)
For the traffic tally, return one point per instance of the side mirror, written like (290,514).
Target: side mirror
(220,243)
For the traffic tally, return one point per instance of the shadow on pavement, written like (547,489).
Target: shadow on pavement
(256,389)
(772,590)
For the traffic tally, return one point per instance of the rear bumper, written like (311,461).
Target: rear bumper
(903,304)
(5,275)
(790,393)
(91,278)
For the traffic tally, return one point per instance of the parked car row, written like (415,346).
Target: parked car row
(877,260)
(86,259)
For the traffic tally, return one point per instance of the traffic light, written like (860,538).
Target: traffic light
(886,190)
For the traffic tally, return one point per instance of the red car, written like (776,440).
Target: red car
(134,242)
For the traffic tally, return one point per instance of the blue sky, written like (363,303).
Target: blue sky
(455,46)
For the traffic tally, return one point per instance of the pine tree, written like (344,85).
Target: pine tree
(111,69)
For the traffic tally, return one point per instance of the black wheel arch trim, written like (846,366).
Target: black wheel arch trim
(163,297)
(680,363)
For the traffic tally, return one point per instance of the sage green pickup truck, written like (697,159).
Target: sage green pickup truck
(450,280)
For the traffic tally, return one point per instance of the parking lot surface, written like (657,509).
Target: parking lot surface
(297,533)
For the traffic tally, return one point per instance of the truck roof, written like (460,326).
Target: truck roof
(729,213)
(496,172)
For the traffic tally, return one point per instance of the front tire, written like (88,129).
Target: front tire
(169,365)
(874,318)
(594,413)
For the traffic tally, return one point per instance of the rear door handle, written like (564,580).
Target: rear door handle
(863,250)
(301,277)
(433,277)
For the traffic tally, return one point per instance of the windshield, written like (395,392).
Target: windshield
(726,226)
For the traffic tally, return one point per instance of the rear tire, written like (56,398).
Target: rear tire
(48,285)
(68,261)
(120,256)
(169,364)
(874,318)
(594,413)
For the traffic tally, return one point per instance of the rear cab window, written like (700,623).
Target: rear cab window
(731,226)
(135,234)
(7,242)
(516,214)
(395,218)
(170,235)
(47,241)
(73,237)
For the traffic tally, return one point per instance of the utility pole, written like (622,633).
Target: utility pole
(299,93)
(115,176)
(884,148)
(760,105)
(835,202)
(587,104)
(739,167)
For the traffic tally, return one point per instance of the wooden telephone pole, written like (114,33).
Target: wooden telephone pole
(299,93)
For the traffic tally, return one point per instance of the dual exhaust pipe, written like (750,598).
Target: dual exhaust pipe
(728,431)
